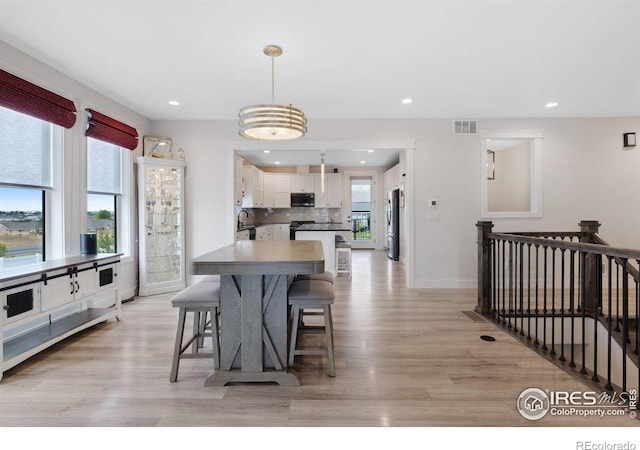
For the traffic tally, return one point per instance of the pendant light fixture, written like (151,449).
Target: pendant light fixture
(272,122)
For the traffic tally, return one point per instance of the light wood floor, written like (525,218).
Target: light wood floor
(405,358)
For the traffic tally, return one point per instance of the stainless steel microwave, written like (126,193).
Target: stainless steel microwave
(303,199)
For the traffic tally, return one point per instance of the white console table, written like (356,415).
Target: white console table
(42,304)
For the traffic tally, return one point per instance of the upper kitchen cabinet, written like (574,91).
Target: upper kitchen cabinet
(238,191)
(332,195)
(282,191)
(303,182)
(253,179)
(277,190)
(161,229)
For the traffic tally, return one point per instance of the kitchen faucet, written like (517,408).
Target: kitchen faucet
(242,211)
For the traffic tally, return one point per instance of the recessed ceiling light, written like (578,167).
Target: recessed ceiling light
(551,105)
(370,151)
(174,102)
(266,151)
(277,162)
(406,101)
(363,162)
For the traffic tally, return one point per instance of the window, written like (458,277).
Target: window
(26,146)
(104,187)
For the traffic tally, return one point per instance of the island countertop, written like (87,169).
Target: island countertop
(324,227)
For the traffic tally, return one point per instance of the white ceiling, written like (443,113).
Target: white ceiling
(348,59)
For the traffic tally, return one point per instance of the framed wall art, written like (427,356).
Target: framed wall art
(156,147)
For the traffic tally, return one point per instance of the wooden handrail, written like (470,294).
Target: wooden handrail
(598,249)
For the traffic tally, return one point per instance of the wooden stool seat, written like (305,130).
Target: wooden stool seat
(324,276)
(311,294)
(203,300)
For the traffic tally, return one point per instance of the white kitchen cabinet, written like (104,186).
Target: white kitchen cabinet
(242,235)
(238,191)
(281,232)
(44,303)
(277,192)
(332,195)
(268,192)
(253,187)
(304,182)
(161,229)
(264,232)
(281,190)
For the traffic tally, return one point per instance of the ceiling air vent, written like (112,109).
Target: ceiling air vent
(465,127)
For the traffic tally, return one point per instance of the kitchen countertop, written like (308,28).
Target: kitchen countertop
(324,227)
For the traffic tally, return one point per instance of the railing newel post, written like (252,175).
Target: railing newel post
(589,230)
(484,267)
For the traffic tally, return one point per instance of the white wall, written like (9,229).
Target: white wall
(586,175)
(209,182)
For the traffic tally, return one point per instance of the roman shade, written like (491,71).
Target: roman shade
(104,168)
(104,128)
(27,98)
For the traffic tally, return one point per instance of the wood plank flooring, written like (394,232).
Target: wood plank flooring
(405,358)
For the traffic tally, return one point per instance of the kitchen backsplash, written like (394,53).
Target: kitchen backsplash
(262,216)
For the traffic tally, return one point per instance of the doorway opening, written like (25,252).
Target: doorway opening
(361,189)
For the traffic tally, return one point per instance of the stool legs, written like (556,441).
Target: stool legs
(177,349)
(297,325)
(328,323)
(197,340)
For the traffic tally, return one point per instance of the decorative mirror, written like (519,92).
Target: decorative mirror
(511,173)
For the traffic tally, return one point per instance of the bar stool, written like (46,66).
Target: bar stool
(324,276)
(343,256)
(311,294)
(202,299)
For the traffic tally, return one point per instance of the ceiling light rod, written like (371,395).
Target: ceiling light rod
(273,51)
(322,173)
(272,122)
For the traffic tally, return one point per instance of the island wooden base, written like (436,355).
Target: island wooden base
(221,378)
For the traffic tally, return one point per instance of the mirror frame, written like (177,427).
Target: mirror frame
(536,137)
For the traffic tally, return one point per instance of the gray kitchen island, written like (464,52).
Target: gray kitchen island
(253,306)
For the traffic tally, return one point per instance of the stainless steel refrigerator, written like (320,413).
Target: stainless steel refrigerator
(393,224)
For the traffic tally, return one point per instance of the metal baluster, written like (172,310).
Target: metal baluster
(572,289)
(511,271)
(562,261)
(521,289)
(536,342)
(617,297)
(529,292)
(609,386)
(494,286)
(625,321)
(583,281)
(595,318)
(553,302)
(503,281)
(544,315)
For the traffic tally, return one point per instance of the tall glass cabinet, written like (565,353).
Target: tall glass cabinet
(161,225)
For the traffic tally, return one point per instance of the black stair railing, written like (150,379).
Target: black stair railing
(547,289)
